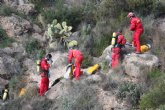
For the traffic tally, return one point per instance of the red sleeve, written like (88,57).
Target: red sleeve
(70,56)
(133,24)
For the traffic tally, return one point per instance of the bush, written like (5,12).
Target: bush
(15,85)
(34,49)
(162,107)
(80,97)
(143,7)
(154,98)
(154,75)
(73,15)
(87,61)
(100,45)
(129,92)
(108,84)
(4,39)
(6,10)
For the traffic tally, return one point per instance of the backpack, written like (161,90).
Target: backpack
(120,44)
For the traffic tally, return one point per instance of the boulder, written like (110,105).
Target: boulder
(30,66)
(139,65)
(36,28)
(39,37)
(27,9)
(9,67)
(15,26)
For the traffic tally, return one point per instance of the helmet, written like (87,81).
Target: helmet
(48,56)
(130,14)
(72,44)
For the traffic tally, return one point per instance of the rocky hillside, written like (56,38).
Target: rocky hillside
(24,39)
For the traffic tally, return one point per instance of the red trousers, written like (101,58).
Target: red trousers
(78,61)
(44,85)
(136,39)
(115,57)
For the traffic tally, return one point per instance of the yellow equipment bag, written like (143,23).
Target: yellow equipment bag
(93,69)
(145,48)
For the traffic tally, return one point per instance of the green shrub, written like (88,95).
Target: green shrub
(143,7)
(6,10)
(87,61)
(162,107)
(4,39)
(154,98)
(73,16)
(155,74)
(100,45)
(105,66)
(33,48)
(129,92)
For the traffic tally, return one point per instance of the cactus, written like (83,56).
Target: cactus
(56,30)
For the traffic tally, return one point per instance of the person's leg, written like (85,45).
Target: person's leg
(137,39)
(46,84)
(113,58)
(79,61)
(117,57)
(42,87)
(134,39)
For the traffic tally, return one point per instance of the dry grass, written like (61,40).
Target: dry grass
(80,97)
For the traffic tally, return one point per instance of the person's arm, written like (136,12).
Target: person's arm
(133,25)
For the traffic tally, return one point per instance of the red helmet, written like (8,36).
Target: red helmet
(130,14)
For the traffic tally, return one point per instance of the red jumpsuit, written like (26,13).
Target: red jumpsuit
(78,56)
(116,52)
(44,80)
(137,26)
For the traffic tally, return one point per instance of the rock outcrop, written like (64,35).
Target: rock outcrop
(139,66)
(15,26)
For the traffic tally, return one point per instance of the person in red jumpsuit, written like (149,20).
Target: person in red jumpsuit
(116,48)
(79,57)
(44,74)
(137,27)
